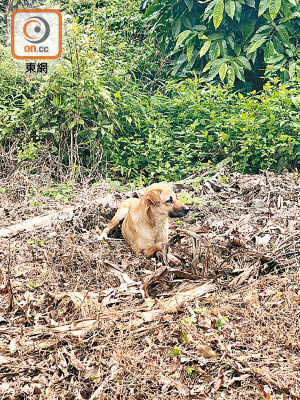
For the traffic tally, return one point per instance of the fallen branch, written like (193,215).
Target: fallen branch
(31,224)
(65,214)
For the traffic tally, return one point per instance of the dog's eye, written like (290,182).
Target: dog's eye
(170,200)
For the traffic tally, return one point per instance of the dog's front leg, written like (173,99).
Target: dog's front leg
(150,251)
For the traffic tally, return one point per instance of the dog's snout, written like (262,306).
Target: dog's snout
(179,211)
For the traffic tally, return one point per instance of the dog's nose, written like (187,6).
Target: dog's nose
(186,210)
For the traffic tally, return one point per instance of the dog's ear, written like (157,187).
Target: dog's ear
(153,197)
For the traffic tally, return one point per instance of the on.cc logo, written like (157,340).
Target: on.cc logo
(36,29)
(36,34)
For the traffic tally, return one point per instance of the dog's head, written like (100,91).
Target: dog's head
(162,200)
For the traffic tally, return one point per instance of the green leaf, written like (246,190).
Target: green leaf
(293,2)
(255,45)
(214,51)
(187,22)
(72,124)
(247,29)
(286,10)
(230,76)
(292,69)
(278,45)
(263,6)
(269,50)
(190,65)
(215,36)
(212,73)
(238,11)
(182,36)
(179,63)
(244,62)
(230,8)
(204,48)
(266,29)
(222,71)
(223,48)
(218,14)
(189,4)
(176,27)
(217,50)
(283,33)
(237,49)
(209,7)
(151,10)
(250,3)
(274,8)
(239,71)
(207,66)
(230,41)
(252,57)
(199,28)
(189,51)
(218,62)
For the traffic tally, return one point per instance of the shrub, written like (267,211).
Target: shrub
(100,109)
(175,134)
(228,40)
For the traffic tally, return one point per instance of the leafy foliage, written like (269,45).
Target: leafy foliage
(236,41)
(108,106)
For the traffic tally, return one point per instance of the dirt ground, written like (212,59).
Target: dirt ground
(80,319)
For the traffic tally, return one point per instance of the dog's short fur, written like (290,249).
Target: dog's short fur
(146,223)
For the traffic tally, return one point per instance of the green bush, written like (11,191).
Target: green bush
(106,105)
(175,134)
(228,40)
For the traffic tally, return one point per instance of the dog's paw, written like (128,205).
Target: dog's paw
(150,251)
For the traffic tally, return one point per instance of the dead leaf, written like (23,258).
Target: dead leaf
(176,302)
(263,241)
(219,381)
(149,303)
(206,351)
(75,362)
(182,274)
(174,366)
(183,390)
(149,316)
(157,275)
(264,394)
(14,346)
(290,338)
(124,263)
(161,335)
(37,388)
(205,322)
(4,387)
(77,329)
(91,371)
(251,297)
(240,279)
(5,360)
(236,379)
(4,290)
(220,344)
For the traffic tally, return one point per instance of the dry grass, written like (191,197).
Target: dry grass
(75,323)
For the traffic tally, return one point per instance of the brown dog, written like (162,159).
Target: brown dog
(146,224)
